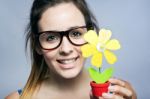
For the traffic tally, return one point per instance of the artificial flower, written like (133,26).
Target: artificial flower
(100,45)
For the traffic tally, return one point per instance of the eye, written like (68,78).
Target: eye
(51,37)
(75,34)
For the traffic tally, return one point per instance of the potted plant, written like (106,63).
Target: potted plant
(97,47)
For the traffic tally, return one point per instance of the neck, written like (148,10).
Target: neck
(79,81)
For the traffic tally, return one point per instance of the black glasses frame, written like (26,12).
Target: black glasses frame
(62,34)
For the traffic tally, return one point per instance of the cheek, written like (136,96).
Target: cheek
(78,49)
(49,56)
(82,59)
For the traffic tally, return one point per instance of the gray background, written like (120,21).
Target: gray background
(128,20)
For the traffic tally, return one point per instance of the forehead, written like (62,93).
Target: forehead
(61,17)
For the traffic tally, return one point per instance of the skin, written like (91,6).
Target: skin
(54,19)
(69,80)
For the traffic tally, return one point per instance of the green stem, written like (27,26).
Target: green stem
(99,70)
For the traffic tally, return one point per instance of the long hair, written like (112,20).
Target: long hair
(39,69)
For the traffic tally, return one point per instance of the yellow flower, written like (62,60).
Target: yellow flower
(99,45)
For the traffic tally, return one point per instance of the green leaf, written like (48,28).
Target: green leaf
(106,74)
(101,77)
(94,74)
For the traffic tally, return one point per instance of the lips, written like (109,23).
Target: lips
(68,62)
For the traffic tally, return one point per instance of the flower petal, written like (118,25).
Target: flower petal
(87,50)
(97,59)
(113,45)
(91,37)
(110,57)
(104,35)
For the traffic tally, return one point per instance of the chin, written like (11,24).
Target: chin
(70,74)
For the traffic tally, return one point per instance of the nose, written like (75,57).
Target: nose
(66,47)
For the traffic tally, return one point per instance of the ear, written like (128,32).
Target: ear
(38,50)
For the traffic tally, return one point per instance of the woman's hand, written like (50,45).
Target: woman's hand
(118,90)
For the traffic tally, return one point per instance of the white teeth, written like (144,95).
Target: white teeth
(67,61)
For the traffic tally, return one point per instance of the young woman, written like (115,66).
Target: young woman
(55,36)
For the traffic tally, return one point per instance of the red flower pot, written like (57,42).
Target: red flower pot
(98,89)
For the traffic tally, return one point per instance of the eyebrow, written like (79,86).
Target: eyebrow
(70,28)
(73,27)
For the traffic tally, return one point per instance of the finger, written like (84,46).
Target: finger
(111,96)
(115,81)
(120,90)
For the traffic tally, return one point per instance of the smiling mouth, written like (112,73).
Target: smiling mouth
(67,61)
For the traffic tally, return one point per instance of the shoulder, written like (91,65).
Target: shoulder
(13,95)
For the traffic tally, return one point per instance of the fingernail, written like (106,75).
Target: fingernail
(104,94)
(111,80)
(107,95)
(111,88)
(123,84)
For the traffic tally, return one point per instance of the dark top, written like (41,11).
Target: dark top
(20,91)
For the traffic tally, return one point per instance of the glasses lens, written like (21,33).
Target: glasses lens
(76,35)
(49,40)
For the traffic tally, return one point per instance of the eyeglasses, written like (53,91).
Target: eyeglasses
(50,40)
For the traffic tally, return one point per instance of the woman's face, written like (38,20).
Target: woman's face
(65,61)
